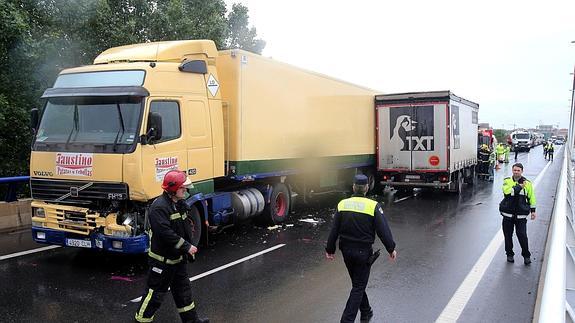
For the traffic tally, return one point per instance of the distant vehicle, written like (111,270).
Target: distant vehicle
(558,142)
(520,141)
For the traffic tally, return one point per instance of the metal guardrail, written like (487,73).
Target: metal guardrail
(556,301)
(13,183)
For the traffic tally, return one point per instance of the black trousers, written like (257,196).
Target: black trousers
(162,276)
(521,228)
(356,261)
(550,155)
(516,152)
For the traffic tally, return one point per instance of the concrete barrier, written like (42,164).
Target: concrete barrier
(15,215)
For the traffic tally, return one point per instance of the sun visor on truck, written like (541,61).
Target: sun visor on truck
(96,91)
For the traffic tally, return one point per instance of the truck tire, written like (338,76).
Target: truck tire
(195,220)
(277,210)
(456,185)
(471,178)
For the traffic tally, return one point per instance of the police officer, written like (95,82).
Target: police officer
(517,189)
(170,235)
(550,150)
(356,222)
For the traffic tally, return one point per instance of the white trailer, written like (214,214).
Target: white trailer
(426,139)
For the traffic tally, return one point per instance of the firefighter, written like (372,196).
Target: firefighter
(483,165)
(491,165)
(356,222)
(170,235)
(545,149)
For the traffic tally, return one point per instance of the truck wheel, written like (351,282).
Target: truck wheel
(459,187)
(277,210)
(456,185)
(471,178)
(196,223)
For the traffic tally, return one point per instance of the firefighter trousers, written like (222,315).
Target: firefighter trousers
(162,276)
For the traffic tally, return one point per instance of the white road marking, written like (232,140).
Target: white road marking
(233,263)
(402,199)
(459,300)
(27,252)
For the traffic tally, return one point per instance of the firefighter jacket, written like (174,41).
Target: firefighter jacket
(500,150)
(517,201)
(356,222)
(550,148)
(169,231)
(483,155)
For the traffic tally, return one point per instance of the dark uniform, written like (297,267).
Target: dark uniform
(356,222)
(169,235)
(550,150)
(514,218)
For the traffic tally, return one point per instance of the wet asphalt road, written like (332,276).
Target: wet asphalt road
(439,238)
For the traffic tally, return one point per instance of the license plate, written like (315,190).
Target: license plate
(79,243)
(412,176)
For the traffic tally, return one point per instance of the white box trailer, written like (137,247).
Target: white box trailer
(426,139)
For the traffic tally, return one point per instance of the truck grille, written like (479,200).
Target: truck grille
(83,192)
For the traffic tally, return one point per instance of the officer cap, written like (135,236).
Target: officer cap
(360,179)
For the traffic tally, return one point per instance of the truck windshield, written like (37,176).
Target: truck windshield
(98,124)
(522,136)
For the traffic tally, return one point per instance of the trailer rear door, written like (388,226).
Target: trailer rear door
(412,137)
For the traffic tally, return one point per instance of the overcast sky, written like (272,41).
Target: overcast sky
(514,58)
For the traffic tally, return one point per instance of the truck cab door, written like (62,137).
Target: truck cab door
(167,152)
(199,147)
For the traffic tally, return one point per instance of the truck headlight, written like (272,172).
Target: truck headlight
(39,212)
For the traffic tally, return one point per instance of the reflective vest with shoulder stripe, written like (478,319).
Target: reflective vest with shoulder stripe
(357,204)
(528,191)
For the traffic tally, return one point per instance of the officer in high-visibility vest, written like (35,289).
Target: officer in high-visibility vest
(356,222)
(169,248)
(550,150)
(506,152)
(500,150)
(519,202)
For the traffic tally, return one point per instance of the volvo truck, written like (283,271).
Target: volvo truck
(250,132)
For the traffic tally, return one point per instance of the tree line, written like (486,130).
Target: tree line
(39,38)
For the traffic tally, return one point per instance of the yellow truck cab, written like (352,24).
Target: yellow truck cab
(251,134)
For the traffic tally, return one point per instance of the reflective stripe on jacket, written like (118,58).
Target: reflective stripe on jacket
(169,240)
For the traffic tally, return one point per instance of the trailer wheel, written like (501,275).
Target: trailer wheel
(277,210)
(196,223)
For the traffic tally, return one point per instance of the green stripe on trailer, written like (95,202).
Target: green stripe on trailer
(249,167)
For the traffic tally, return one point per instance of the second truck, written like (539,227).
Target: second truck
(426,139)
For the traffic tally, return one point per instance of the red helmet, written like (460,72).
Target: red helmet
(175,179)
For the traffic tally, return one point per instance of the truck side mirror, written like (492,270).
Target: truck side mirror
(154,132)
(34,118)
